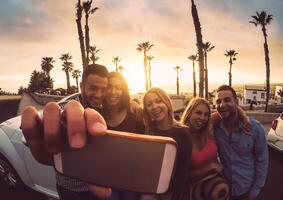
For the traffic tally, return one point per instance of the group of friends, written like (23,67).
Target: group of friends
(226,144)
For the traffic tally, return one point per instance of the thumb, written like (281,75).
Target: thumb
(96,124)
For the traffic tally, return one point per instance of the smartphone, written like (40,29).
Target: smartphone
(128,161)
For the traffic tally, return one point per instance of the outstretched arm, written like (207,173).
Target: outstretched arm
(45,138)
(137,110)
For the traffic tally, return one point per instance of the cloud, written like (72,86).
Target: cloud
(20,17)
(31,29)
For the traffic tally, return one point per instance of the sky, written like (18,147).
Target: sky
(32,29)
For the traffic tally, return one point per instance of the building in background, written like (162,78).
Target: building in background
(254,94)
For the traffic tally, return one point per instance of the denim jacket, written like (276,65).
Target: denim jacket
(244,157)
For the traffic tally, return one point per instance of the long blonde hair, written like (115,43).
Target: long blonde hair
(149,124)
(195,102)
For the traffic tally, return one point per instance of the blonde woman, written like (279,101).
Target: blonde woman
(204,164)
(159,120)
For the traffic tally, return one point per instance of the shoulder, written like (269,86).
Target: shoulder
(256,124)
(180,129)
(131,121)
(257,128)
(130,115)
(181,133)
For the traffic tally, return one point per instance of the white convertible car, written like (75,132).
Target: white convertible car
(17,165)
(275,134)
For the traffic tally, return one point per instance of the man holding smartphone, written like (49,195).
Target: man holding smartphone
(46,132)
(244,155)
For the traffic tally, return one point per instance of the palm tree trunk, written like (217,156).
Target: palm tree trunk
(194,80)
(266,52)
(87,40)
(77,82)
(145,70)
(116,66)
(177,82)
(230,74)
(199,46)
(80,32)
(149,74)
(68,81)
(206,76)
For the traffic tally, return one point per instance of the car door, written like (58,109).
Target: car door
(279,128)
(43,176)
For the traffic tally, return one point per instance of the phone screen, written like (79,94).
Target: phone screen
(116,162)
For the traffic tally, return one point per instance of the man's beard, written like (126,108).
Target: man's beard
(231,115)
(88,104)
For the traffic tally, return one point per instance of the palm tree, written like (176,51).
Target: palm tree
(199,46)
(116,61)
(79,9)
(93,52)
(39,82)
(47,65)
(121,69)
(67,67)
(88,11)
(76,74)
(178,69)
(232,57)
(206,48)
(263,20)
(194,58)
(145,47)
(149,59)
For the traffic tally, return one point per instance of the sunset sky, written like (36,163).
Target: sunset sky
(32,29)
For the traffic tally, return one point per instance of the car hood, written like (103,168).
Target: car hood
(279,128)
(10,126)
(14,122)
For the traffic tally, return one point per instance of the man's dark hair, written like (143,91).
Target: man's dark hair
(94,69)
(227,87)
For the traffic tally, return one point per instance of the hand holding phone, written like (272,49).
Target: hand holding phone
(44,136)
(127,161)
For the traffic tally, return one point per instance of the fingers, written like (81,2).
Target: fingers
(100,192)
(31,126)
(96,125)
(76,127)
(51,127)
(45,137)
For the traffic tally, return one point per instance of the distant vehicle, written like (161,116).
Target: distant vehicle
(17,165)
(275,135)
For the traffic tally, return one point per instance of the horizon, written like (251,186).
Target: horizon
(33,29)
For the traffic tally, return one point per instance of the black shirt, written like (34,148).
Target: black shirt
(182,137)
(129,124)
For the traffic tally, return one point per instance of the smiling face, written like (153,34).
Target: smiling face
(114,92)
(93,90)
(156,108)
(226,104)
(199,117)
